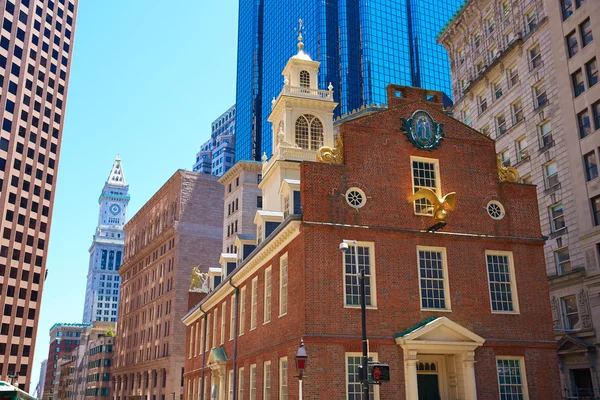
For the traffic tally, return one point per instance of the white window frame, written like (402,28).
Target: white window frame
(374,356)
(373,274)
(267,374)
(546,176)
(199,337)
(252,386)
(231,319)
(242,322)
(214,327)
(283,287)
(208,329)
(254,303)
(438,183)
(513,281)
(283,374)
(230,385)
(223,318)
(268,295)
(553,219)
(445,280)
(191,351)
(521,368)
(240,383)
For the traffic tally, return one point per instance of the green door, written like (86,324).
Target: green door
(428,387)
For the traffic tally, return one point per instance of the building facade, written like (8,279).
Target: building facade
(178,229)
(457,300)
(526,75)
(106,251)
(64,341)
(35,57)
(241,200)
(361,48)
(216,155)
(39,390)
(99,366)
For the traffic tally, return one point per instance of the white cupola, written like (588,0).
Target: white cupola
(302,123)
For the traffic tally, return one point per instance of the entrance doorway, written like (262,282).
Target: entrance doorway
(428,387)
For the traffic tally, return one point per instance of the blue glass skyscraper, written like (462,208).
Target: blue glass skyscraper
(363,45)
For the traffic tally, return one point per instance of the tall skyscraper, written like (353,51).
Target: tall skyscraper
(106,252)
(216,155)
(362,47)
(36,43)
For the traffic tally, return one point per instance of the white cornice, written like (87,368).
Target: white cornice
(244,271)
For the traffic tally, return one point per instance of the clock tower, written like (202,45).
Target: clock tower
(106,252)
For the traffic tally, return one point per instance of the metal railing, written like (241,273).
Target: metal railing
(581,394)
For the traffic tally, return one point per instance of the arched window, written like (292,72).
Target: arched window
(304,79)
(309,132)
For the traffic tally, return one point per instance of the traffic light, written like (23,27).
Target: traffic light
(379,372)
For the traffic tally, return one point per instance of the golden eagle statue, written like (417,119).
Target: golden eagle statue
(441,206)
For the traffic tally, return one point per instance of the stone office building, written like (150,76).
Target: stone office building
(526,74)
(457,301)
(179,228)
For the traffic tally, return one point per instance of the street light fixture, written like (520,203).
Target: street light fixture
(301,358)
(364,367)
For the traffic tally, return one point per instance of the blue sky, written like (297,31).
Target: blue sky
(147,80)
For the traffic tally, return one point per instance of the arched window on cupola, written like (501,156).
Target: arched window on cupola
(309,132)
(304,79)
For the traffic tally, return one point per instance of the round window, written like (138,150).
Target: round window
(356,198)
(495,210)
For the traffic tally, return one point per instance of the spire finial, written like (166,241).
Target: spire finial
(300,29)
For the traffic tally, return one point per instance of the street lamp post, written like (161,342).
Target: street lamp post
(301,358)
(364,374)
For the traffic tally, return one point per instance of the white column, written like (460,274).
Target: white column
(412,387)
(469,364)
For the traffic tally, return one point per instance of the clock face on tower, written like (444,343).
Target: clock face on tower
(115,209)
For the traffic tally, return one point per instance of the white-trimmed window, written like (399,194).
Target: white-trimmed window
(242,310)
(200,337)
(539,92)
(283,285)
(268,290)
(353,384)
(425,173)
(522,152)
(230,385)
(500,125)
(512,379)
(497,88)
(504,158)
(517,111)
(254,304)
(557,217)
(240,383)
(223,317)
(535,57)
(208,329)
(366,260)
(513,76)
(304,79)
(501,279)
(267,380)
(283,378)
(215,325)
(252,382)
(433,278)
(191,352)
(551,174)
(309,132)
(570,313)
(231,317)
(482,103)
(545,129)
(563,261)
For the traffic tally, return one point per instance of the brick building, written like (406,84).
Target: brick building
(526,74)
(99,366)
(179,228)
(64,341)
(460,312)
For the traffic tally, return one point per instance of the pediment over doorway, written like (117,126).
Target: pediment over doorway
(573,344)
(436,332)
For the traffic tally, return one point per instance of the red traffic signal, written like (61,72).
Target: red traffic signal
(379,372)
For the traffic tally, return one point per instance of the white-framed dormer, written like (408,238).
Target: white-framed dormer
(290,197)
(228,262)
(215,275)
(266,222)
(244,244)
